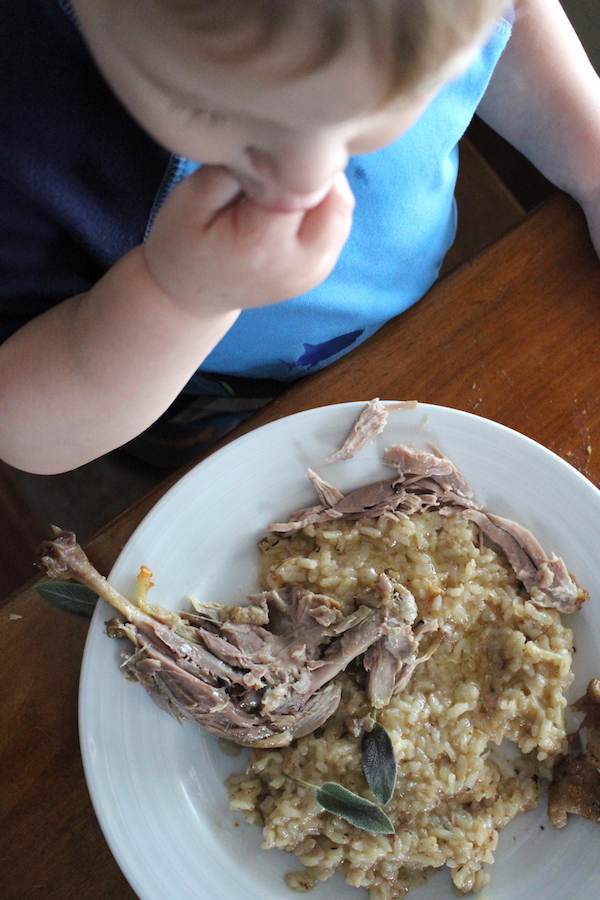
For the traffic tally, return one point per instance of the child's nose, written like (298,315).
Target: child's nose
(299,166)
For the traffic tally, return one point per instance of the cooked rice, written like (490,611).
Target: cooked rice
(500,674)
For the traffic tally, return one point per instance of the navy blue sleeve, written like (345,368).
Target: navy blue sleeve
(78,176)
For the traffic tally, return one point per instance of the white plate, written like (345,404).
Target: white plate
(158,787)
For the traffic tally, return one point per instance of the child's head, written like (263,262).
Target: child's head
(281,92)
(409,39)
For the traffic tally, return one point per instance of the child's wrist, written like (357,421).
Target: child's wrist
(154,292)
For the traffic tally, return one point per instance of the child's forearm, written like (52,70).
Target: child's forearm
(545,98)
(97,369)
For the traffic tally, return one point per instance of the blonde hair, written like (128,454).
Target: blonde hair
(409,39)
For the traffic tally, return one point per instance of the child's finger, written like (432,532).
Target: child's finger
(324,230)
(290,252)
(333,215)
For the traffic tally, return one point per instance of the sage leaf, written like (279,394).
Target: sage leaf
(354,809)
(69,597)
(379,762)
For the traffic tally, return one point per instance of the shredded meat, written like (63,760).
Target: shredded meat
(575,785)
(392,659)
(261,674)
(545,579)
(423,481)
(426,480)
(369,423)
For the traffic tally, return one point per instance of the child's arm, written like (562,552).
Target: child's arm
(97,369)
(545,99)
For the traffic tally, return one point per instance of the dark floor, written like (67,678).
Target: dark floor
(496,187)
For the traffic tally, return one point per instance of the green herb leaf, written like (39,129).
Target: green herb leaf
(379,762)
(353,808)
(70,597)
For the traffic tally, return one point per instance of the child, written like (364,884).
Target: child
(115,300)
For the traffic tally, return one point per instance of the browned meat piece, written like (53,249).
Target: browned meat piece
(589,705)
(575,785)
(369,423)
(261,674)
(545,579)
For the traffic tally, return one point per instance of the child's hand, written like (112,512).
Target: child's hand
(211,249)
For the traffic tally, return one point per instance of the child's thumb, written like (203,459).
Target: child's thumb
(326,227)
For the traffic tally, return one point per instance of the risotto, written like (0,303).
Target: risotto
(474,733)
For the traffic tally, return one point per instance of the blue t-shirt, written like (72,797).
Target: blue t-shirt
(404,222)
(80,183)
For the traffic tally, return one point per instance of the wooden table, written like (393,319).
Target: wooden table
(513,335)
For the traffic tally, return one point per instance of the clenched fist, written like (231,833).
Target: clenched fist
(211,249)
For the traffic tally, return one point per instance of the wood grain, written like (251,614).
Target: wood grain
(513,335)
